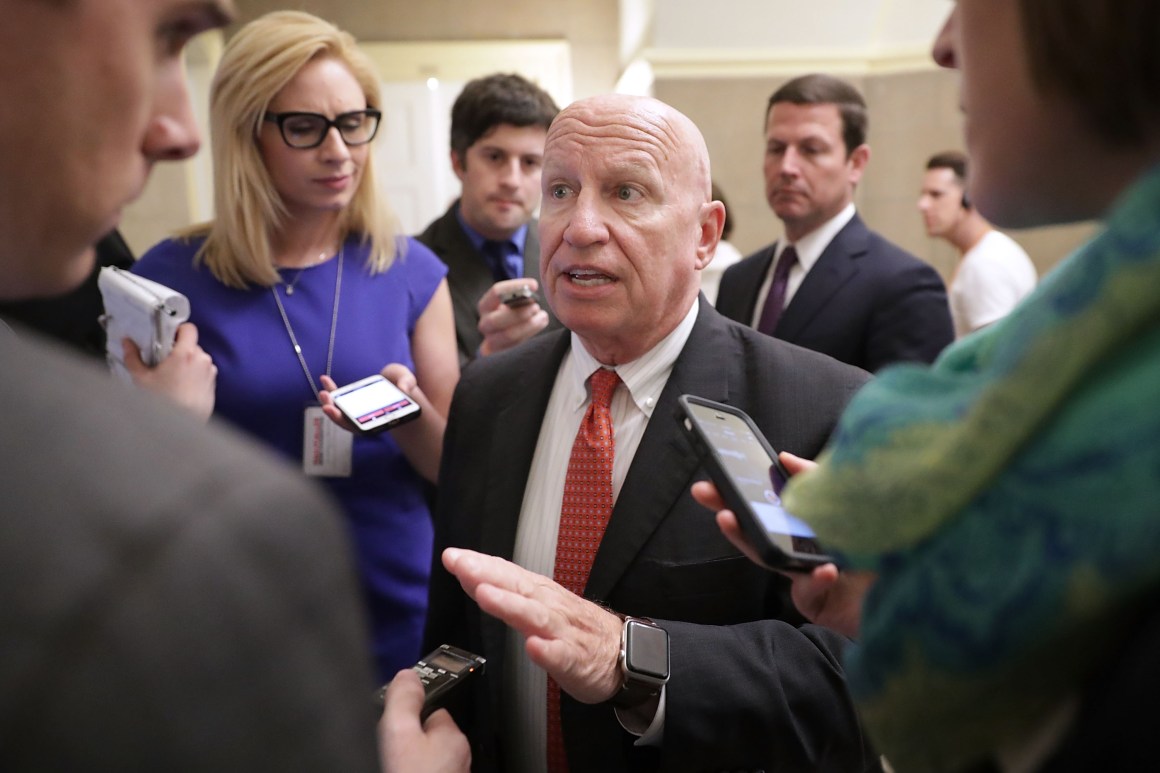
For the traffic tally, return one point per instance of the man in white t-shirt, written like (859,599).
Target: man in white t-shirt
(993,273)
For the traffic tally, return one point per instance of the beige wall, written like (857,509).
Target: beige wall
(162,209)
(589,26)
(912,116)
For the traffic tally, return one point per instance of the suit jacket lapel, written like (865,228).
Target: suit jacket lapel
(663,467)
(836,266)
(514,431)
(753,282)
(472,277)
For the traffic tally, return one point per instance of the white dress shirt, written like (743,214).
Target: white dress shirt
(525,686)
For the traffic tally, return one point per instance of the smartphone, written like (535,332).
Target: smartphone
(374,404)
(521,296)
(750,479)
(440,672)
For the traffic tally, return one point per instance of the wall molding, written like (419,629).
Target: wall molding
(462,60)
(755,63)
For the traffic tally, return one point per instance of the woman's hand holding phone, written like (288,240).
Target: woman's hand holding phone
(413,423)
(739,459)
(374,403)
(328,406)
(825,595)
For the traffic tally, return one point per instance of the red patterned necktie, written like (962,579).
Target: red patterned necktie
(584,514)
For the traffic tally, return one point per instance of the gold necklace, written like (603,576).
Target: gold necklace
(293,282)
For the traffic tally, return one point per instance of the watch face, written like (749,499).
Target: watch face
(647,650)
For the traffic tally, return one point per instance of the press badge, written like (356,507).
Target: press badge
(326,447)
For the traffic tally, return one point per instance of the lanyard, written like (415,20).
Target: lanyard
(333,327)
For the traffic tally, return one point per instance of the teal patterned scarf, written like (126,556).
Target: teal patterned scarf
(1009,498)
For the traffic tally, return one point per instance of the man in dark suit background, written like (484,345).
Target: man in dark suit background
(832,284)
(171,598)
(627,225)
(488,237)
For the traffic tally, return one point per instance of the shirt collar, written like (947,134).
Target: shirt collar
(811,246)
(519,238)
(645,377)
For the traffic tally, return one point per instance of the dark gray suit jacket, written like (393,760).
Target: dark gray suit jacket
(865,302)
(747,690)
(170,599)
(469,276)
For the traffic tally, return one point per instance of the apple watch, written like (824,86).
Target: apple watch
(644,661)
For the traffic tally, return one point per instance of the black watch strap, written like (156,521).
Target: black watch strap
(641,682)
(633,693)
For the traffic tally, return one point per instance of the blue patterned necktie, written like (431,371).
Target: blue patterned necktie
(503,258)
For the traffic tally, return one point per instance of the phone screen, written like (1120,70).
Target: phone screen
(448,662)
(373,402)
(754,473)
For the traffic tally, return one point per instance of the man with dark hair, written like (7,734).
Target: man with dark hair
(832,284)
(488,238)
(993,273)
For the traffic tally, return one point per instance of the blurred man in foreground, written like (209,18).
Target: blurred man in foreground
(172,599)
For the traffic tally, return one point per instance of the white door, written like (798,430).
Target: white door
(420,83)
(411,153)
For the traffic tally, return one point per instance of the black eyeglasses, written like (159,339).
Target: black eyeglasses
(308,130)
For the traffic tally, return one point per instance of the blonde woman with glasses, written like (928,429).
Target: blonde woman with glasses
(301,281)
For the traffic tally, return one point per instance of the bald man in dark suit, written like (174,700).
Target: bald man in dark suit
(626,225)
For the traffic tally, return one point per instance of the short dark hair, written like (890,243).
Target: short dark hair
(1103,57)
(821,89)
(954,160)
(487,102)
